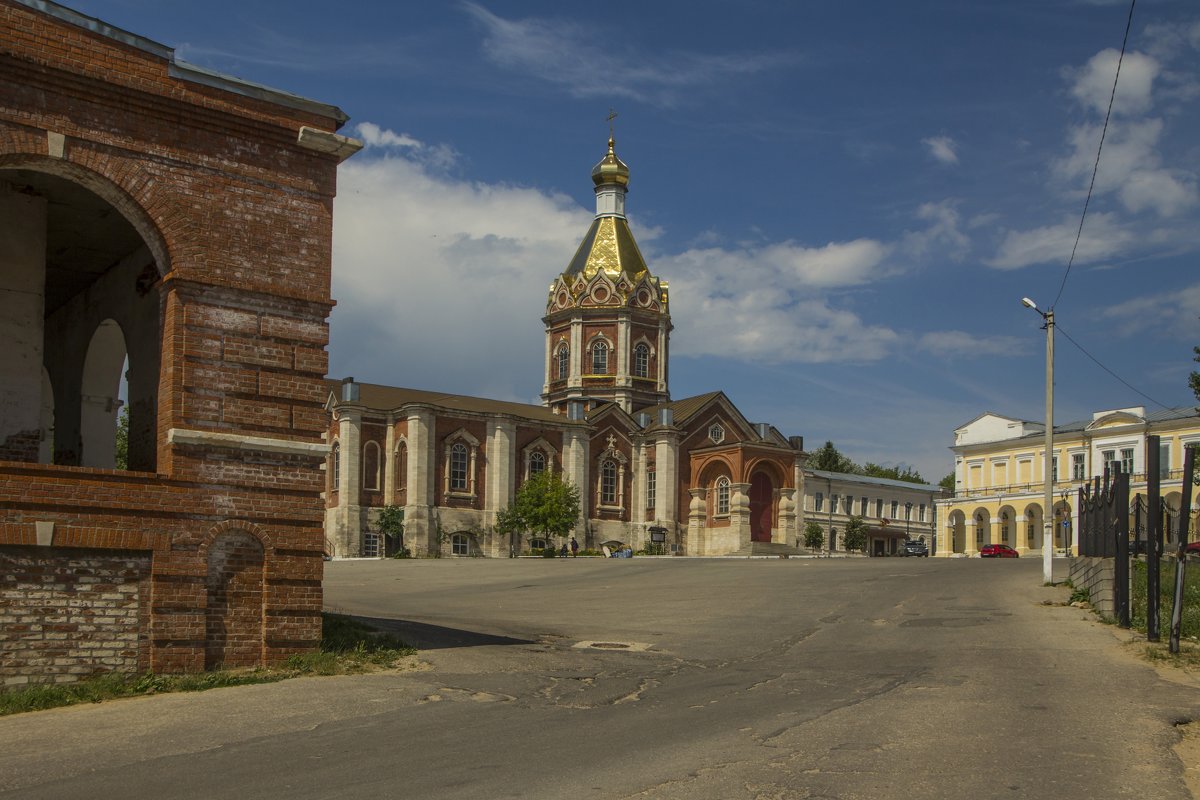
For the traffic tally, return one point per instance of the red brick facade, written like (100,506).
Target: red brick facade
(235,208)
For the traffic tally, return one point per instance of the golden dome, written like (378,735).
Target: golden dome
(610,169)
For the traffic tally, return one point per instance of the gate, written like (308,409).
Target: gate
(1104,531)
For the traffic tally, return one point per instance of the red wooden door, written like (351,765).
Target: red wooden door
(761,516)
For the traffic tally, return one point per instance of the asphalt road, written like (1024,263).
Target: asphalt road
(863,678)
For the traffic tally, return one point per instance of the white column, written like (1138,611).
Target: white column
(349,533)
(501,463)
(666,460)
(577,354)
(622,346)
(640,483)
(422,461)
(389,463)
(575,469)
(22,313)
(696,544)
(549,362)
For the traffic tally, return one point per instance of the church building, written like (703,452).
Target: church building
(694,473)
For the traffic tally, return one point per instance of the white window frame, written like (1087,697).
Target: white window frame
(723,491)
(471,446)
(563,357)
(641,360)
(599,352)
(716,433)
(819,501)
(460,541)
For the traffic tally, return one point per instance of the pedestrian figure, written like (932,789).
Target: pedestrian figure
(574,548)
(563,553)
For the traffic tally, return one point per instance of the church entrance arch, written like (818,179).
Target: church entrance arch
(762,494)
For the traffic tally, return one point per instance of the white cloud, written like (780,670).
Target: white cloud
(421,258)
(440,156)
(1176,312)
(942,148)
(941,236)
(1131,166)
(1103,237)
(1092,84)
(416,249)
(590,61)
(960,344)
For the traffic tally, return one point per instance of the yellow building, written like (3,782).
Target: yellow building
(999,485)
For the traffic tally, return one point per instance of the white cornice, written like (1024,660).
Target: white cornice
(237,441)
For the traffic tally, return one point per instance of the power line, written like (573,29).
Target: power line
(1059,328)
(1096,166)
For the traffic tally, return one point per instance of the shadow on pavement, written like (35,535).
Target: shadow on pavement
(435,637)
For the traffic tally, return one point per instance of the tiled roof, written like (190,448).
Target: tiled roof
(386,398)
(850,476)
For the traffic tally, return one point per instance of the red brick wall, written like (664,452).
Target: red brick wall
(66,614)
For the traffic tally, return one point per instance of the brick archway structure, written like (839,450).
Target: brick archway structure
(217,258)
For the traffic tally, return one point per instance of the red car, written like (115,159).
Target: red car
(1192,548)
(997,551)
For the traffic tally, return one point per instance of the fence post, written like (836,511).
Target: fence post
(1118,504)
(1185,513)
(1153,536)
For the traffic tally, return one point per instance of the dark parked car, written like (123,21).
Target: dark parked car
(997,551)
(914,547)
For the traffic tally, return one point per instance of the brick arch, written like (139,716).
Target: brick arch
(235,556)
(712,469)
(780,477)
(244,526)
(128,189)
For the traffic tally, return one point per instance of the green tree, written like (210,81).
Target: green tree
(897,473)
(814,536)
(855,537)
(1194,378)
(546,505)
(828,459)
(391,525)
(123,439)
(947,482)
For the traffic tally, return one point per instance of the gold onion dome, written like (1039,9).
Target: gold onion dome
(610,169)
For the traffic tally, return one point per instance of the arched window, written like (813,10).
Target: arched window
(641,361)
(722,495)
(460,545)
(537,463)
(371,466)
(337,465)
(600,358)
(458,468)
(564,362)
(608,483)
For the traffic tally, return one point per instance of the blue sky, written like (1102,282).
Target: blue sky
(848,199)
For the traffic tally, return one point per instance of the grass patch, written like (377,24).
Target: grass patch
(348,647)
(1188,656)
(1190,626)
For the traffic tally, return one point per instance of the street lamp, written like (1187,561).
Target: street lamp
(1048,468)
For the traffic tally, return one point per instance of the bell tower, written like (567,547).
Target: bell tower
(608,323)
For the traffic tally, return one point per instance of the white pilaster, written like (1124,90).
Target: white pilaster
(501,464)
(575,469)
(666,461)
(389,463)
